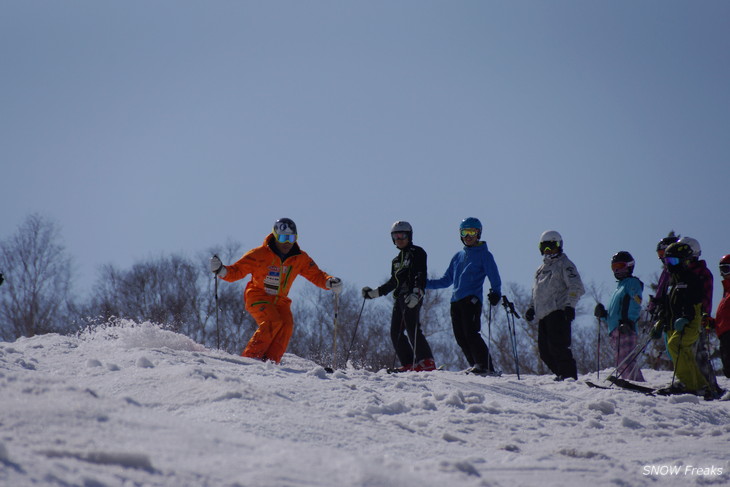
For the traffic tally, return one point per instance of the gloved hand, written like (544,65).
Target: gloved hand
(656,330)
(569,313)
(217,267)
(413,298)
(530,314)
(600,311)
(680,323)
(334,284)
(368,293)
(493,297)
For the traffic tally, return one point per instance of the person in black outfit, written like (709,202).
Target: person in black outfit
(407,281)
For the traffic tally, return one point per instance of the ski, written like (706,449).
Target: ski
(399,371)
(595,386)
(494,373)
(630,386)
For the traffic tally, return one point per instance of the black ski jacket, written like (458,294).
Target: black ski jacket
(684,293)
(408,271)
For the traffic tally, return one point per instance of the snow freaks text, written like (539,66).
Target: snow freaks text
(688,470)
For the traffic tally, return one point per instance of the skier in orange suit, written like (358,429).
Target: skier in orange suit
(273,268)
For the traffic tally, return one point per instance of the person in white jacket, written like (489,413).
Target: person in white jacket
(555,294)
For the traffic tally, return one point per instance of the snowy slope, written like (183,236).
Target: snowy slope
(137,405)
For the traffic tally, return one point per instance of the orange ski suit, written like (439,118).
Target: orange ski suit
(266,295)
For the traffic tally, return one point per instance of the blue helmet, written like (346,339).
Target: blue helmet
(471,222)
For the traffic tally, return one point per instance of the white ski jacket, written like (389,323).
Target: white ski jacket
(557,286)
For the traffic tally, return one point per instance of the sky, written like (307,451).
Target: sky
(133,404)
(150,128)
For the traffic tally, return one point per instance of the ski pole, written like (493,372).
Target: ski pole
(618,344)
(334,331)
(598,352)
(217,325)
(354,333)
(490,364)
(512,313)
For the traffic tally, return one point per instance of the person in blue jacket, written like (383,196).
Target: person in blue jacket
(623,313)
(466,273)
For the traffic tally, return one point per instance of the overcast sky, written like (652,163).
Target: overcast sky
(146,128)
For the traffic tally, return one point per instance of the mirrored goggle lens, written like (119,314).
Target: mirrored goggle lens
(545,246)
(619,266)
(469,232)
(286,238)
(399,235)
(672,260)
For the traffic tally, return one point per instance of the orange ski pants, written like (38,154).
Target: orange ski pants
(276,325)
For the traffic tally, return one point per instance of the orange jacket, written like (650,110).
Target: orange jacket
(272,278)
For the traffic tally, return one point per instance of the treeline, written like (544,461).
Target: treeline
(179,293)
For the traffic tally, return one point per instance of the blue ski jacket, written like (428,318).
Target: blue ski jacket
(625,304)
(467,271)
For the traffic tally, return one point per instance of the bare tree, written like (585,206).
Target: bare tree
(36,296)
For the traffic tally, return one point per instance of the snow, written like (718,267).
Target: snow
(136,405)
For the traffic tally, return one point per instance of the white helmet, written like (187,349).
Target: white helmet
(401,226)
(547,238)
(693,244)
(551,236)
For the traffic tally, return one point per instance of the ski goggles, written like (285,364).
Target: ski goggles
(672,260)
(548,246)
(620,266)
(286,238)
(724,269)
(399,236)
(469,232)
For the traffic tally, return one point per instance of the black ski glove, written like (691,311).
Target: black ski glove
(493,297)
(600,311)
(530,314)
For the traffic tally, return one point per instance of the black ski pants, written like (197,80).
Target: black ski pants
(406,334)
(554,340)
(467,324)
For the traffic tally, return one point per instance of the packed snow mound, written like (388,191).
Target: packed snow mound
(135,404)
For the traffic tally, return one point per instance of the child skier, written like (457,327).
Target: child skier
(702,353)
(407,281)
(623,314)
(681,318)
(662,284)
